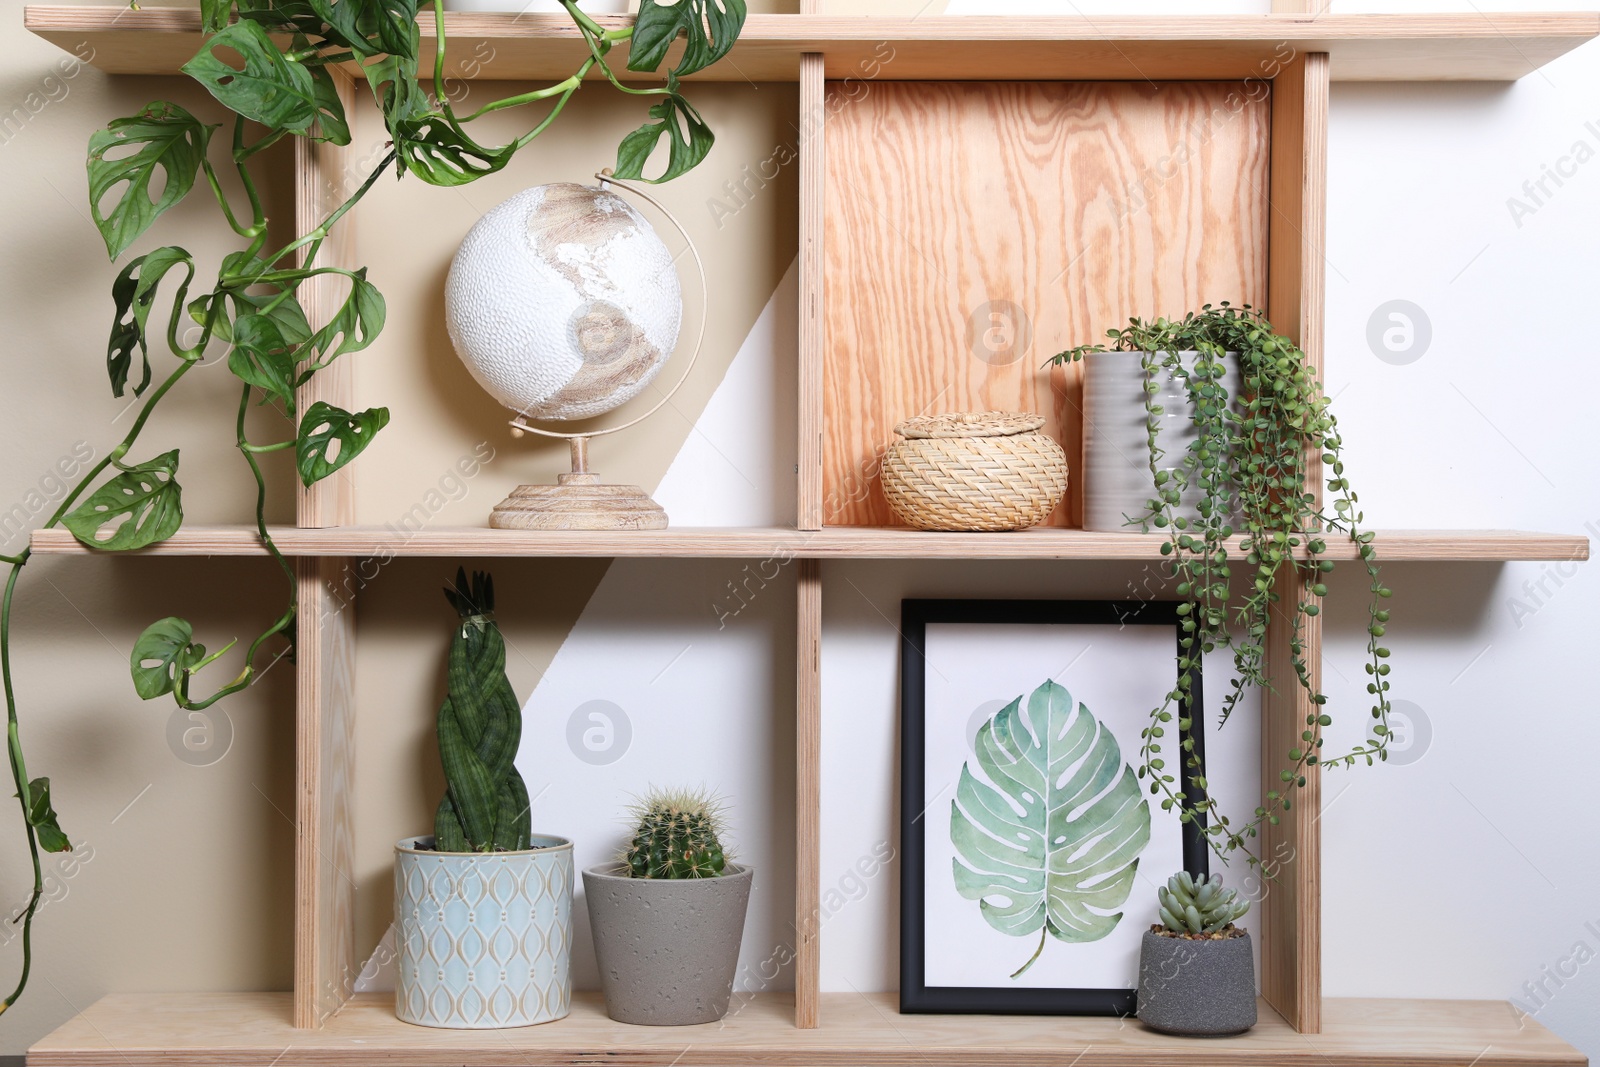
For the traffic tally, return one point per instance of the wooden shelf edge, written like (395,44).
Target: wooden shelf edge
(835,542)
(1472,46)
(858,1030)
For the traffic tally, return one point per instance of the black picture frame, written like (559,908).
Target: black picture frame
(916,997)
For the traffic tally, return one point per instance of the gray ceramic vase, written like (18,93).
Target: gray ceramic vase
(1116,449)
(667,948)
(1197,988)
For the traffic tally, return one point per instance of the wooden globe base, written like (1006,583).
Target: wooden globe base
(578,502)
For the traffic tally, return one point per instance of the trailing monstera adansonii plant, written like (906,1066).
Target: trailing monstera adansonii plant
(268,63)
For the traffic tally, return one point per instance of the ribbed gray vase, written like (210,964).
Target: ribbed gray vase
(1197,988)
(1116,477)
(667,948)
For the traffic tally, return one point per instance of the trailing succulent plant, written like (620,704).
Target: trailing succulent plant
(485,805)
(143,165)
(1255,456)
(677,834)
(1191,907)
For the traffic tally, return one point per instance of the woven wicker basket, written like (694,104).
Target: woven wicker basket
(986,470)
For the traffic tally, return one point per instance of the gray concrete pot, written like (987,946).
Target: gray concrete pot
(667,948)
(1196,987)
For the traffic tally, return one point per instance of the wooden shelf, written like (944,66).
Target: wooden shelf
(858,1030)
(1472,46)
(834,542)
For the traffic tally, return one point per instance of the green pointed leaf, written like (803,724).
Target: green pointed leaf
(1052,839)
(161,652)
(689,136)
(262,358)
(332,125)
(123,160)
(431,149)
(214,15)
(711,27)
(42,817)
(330,437)
(140,506)
(134,291)
(268,89)
(354,326)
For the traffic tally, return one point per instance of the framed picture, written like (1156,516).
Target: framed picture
(1030,850)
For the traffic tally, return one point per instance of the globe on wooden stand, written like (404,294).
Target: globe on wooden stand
(564,304)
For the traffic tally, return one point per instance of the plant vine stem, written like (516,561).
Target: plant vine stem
(19,773)
(312,241)
(1033,958)
(19,768)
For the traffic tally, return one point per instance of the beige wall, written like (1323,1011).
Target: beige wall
(183,880)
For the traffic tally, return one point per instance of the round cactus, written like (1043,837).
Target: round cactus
(677,836)
(1192,906)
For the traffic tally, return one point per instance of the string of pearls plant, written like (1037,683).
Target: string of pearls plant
(1251,462)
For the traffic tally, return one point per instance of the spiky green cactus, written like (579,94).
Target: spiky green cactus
(1192,907)
(485,806)
(678,835)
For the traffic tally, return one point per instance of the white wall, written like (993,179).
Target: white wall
(1462,869)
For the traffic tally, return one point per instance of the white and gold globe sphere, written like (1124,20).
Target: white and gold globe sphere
(563,302)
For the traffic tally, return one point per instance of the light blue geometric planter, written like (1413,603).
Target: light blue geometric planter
(485,939)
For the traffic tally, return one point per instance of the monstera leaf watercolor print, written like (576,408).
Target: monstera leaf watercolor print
(1050,843)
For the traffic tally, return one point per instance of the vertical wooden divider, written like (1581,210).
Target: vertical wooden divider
(809,515)
(813,111)
(324,936)
(1291,909)
(808,798)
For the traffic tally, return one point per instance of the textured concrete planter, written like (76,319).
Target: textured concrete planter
(1197,987)
(667,948)
(1116,449)
(485,939)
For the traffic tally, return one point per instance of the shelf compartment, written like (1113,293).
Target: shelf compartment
(834,542)
(859,1030)
(1469,46)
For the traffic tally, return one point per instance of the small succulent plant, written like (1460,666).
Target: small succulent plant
(1193,907)
(677,835)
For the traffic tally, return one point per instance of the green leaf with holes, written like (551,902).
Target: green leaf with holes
(134,291)
(268,88)
(162,651)
(1050,843)
(42,817)
(354,326)
(437,153)
(689,137)
(330,437)
(123,161)
(140,506)
(710,28)
(262,358)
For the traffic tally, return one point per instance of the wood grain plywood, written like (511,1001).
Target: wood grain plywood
(859,1030)
(325,964)
(975,229)
(1290,918)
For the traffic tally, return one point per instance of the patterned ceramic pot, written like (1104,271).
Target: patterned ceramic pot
(1116,448)
(485,939)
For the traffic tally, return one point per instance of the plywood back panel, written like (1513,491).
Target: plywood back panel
(974,229)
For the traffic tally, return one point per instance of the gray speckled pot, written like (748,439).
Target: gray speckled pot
(667,948)
(1197,987)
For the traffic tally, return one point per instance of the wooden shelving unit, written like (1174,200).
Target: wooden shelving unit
(1119,65)
(252,1030)
(833,542)
(1469,46)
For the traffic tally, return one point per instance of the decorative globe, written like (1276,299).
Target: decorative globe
(563,302)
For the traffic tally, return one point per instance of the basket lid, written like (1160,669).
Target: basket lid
(970,424)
